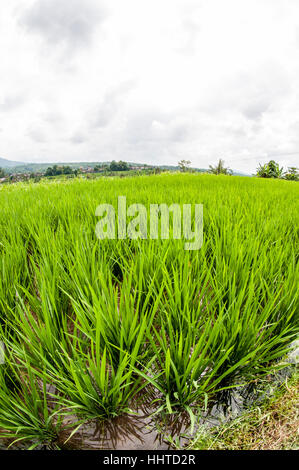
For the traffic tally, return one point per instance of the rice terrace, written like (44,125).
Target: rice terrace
(137,343)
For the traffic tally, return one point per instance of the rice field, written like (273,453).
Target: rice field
(92,329)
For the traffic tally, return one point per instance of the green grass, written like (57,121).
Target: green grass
(103,323)
(272,425)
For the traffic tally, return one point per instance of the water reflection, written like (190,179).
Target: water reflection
(140,431)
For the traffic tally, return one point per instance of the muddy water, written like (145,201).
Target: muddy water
(129,432)
(147,431)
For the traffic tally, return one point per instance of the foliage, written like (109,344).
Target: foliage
(184,165)
(101,168)
(26,413)
(118,166)
(270,170)
(220,169)
(292,174)
(60,170)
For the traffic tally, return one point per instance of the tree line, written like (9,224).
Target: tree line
(266,170)
(273,170)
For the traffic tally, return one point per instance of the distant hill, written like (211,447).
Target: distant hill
(9,163)
(18,167)
(41,167)
(22,167)
(239,173)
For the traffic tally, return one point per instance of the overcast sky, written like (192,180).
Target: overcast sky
(150,81)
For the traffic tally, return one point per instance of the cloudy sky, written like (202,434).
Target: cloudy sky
(150,81)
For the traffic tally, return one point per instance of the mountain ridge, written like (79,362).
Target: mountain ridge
(4,163)
(24,167)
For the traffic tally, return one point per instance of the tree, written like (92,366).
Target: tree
(49,172)
(269,170)
(67,170)
(59,170)
(220,169)
(118,166)
(292,174)
(184,165)
(2,173)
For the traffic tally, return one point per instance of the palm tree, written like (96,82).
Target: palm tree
(184,165)
(220,169)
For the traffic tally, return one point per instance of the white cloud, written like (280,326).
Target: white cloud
(37,134)
(150,81)
(61,22)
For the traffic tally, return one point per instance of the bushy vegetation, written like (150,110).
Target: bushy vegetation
(88,324)
(56,170)
(220,169)
(119,166)
(270,170)
(292,174)
(273,170)
(184,165)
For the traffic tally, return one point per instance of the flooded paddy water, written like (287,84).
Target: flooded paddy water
(128,432)
(146,430)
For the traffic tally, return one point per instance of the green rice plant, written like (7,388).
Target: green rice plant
(101,321)
(25,413)
(38,330)
(118,316)
(92,387)
(13,271)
